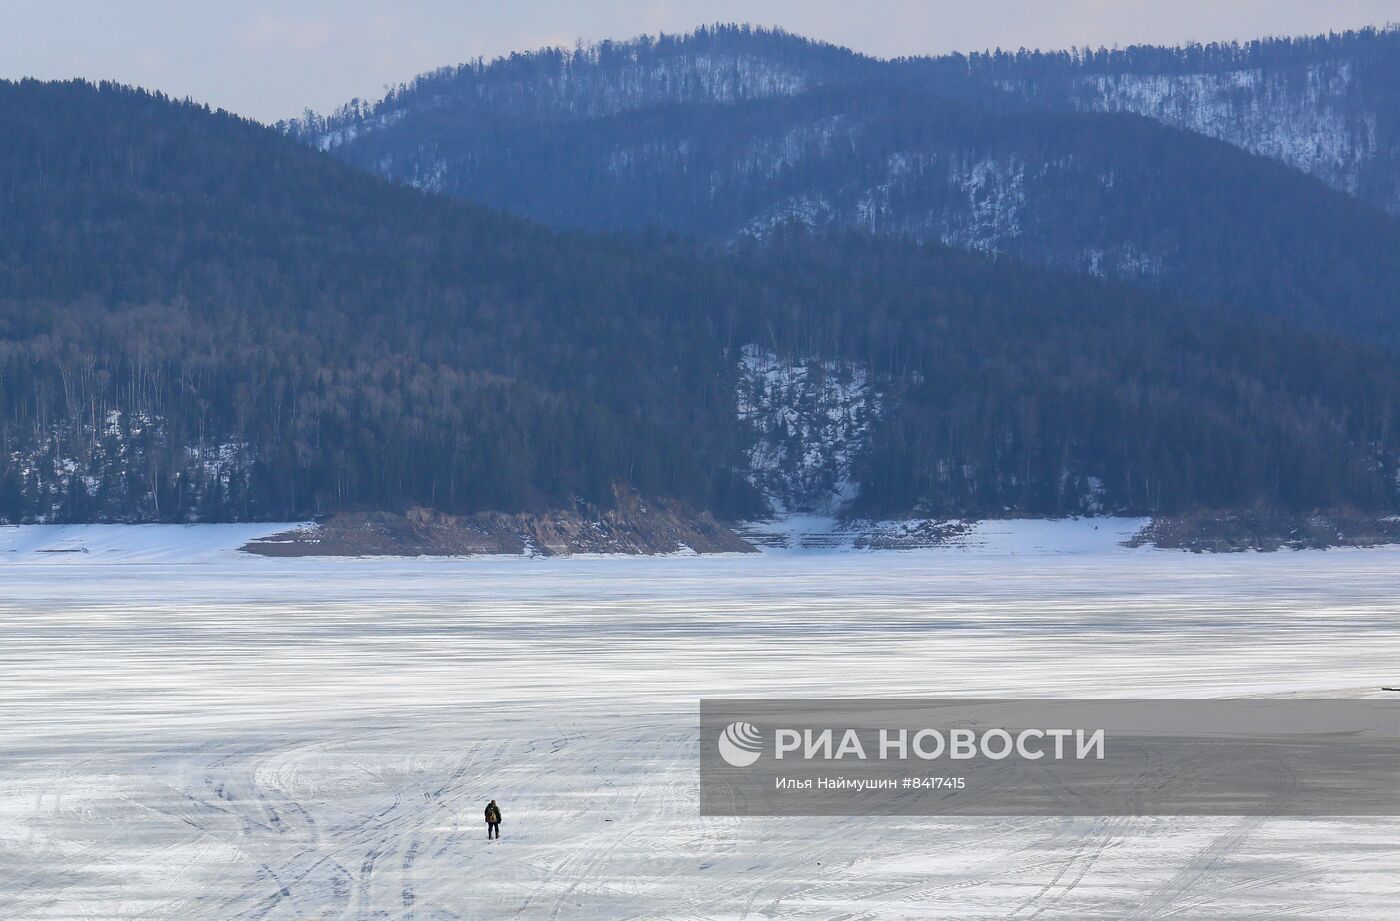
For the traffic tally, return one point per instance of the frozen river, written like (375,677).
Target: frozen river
(236,737)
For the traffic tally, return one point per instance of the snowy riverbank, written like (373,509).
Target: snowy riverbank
(199,543)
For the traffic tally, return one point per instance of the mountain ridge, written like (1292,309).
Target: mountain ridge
(935,148)
(1036,75)
(201,319)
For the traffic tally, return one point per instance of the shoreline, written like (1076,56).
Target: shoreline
(794,536)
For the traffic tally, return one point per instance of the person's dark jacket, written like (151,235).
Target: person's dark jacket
(493,813)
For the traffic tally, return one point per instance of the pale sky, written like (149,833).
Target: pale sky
(269,59)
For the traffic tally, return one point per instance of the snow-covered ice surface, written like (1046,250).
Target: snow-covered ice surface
(247,738)
(129,543)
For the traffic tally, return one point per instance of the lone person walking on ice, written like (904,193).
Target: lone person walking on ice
(493,820)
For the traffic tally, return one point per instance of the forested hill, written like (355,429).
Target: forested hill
(1327,105)
(201,318)
(733,131)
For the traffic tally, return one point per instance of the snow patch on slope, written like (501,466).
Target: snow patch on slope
(810,419)
(982,202)
(108,463)
(994,196)
(334,137)
(429,175)
(808,210)
(770,157)
(1122,260)
(583,88)
(1300,120)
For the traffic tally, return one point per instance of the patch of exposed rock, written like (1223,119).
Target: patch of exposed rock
(911,535)
(1227,532)
(632,526)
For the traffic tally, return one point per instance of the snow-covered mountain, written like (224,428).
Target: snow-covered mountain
(1304,118)
(1328,106)
(226,324)
(732,132)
